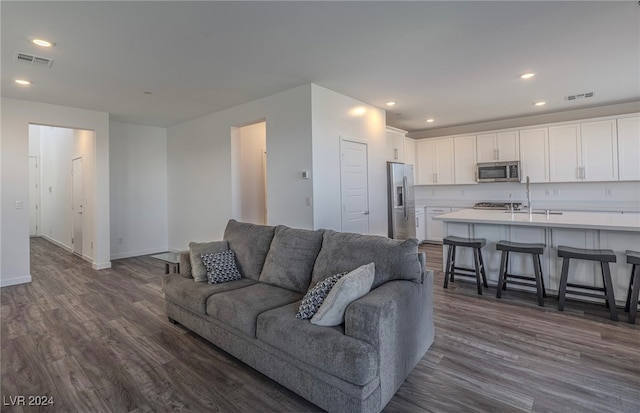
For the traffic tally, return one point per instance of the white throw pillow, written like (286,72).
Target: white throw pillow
(349,288)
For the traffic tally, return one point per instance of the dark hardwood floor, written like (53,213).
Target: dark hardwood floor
(98,341)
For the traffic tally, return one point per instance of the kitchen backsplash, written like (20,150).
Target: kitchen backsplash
(605,196)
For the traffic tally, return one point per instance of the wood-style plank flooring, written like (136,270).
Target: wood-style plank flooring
(98,341)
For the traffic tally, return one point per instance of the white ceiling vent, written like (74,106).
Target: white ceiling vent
(32,59)
(580,96)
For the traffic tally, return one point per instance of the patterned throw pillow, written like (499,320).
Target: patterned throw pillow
(315,296)
(221,267)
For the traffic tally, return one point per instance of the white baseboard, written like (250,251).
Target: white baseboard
(6,282)
(101,265)
(58,243)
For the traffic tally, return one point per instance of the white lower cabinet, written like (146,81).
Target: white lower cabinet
(580,271)
(434,228)
(420,225)
(522,264)
(490,257)
(620,270)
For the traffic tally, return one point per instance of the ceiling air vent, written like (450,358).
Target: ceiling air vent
(580,96)
(32,59)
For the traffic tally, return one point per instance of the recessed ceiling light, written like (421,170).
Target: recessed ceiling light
(23,82)
(541,103)
(527,75)
(42,42)
(430,120)
(391,103)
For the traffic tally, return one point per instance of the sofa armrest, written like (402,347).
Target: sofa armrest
(185,264)
(396,318)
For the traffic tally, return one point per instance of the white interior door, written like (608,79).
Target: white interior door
(34,196)
(77,195)
(354,187)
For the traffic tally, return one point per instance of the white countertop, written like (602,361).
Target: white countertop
(587,220)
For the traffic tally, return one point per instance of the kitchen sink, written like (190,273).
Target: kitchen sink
(535,212)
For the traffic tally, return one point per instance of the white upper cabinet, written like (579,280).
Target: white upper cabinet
(583,152)
(410,154)
(395,144)
(599,144)
(434,161)
(564,153)
(498,147)
(534,154)
(464,149)
(629,149)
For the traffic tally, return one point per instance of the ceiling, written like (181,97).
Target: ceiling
(455,62)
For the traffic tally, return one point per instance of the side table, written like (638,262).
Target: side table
(170,259)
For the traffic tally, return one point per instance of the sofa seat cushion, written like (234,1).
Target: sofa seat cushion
(240,309)
(291,257)
(343,251)
(250,243)
(193,296)
(325,348)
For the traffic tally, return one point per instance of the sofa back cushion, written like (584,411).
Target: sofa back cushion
(290,260)
(250,243)
(343,251)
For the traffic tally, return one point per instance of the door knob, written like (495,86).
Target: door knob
(366,212)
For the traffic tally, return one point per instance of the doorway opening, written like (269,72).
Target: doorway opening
(249,172)
(61,165)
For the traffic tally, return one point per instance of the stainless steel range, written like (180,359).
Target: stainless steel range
(498,205)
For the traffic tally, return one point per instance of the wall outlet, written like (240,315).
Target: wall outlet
(462,193)
(120,241)
(308,201)
(91,244)
(607,192)
(18,204)
(556,192)
(546,192)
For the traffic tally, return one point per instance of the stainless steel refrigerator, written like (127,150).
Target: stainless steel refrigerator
(402,205)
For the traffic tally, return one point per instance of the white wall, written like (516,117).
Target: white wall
(14,234)
(598,196)
(333,117)
(138,189)
(200,167)
(253,140)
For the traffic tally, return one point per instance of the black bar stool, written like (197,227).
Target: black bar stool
(633,257)
(604,257)
(477,271)
(535,250)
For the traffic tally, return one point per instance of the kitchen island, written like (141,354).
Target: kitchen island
(598,230)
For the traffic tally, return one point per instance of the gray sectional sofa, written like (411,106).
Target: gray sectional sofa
(354,367)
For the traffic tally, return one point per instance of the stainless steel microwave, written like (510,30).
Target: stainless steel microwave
(499,172)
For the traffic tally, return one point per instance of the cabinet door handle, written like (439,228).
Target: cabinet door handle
(395,153)
(417,221)
(579,172)
(498,154)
